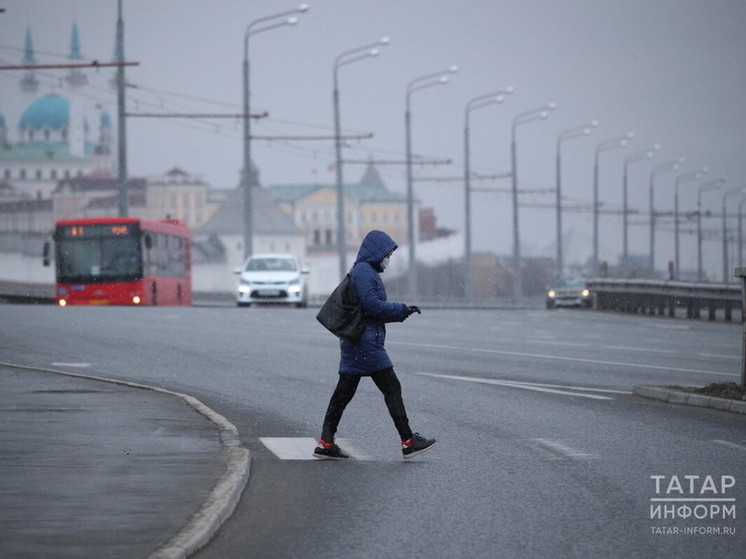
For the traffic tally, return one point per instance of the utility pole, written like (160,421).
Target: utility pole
(123,195)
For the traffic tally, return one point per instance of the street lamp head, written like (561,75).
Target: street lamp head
(374,52)
(508,90)
(544,115)
(594,123)
(453,69)
(303,8)
(630,135)
(292,20)
(551,106)
(385,40)
(443,80)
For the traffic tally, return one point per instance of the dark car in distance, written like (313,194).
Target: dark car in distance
(569,292)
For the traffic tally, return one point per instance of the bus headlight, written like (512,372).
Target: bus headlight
(551,293)
(136,300)
(62,303)
(586,293)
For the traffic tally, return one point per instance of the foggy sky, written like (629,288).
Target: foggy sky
(670,70)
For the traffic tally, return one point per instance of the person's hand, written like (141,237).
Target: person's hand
(413,309)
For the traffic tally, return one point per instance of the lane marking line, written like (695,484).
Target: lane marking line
(301,448)
(560,358)
(729,444)
(81,365)
(565,450)
(561,343)
(720,356)
(548,388)
(640,349)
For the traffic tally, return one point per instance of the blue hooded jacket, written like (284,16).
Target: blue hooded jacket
(368,355)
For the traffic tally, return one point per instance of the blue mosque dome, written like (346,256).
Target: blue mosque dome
(50,112)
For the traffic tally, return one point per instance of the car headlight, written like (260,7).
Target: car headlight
(551,293)
(244,287)
(294,287)
(586,293)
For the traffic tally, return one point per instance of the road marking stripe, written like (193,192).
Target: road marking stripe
(548,388)
(560,343)
(640,349)
(565,450)
(301,448)
(729,444)
(720,356)
(82,365)
(560,358)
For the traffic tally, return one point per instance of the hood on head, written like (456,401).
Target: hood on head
(374,248)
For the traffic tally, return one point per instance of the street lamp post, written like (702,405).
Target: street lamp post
(728,192)
(541,113)
(614,143)
(422,82)
(690,176)
(641,155)
(712,185)
(667,167)
(740,231)
(347,57)
(248,179)
(576,132)
(474,104)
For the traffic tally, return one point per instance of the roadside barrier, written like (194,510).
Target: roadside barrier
(671,298)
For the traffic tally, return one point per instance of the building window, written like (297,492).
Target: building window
(53,174)
(22,174)
(38,174)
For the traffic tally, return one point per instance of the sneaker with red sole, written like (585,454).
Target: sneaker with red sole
(416,445)
(329,451)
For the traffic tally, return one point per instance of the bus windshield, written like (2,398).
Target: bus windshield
(98,255)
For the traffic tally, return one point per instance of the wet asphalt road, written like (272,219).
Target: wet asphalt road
(542,450)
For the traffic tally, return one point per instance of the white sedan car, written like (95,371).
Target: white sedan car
(271,278)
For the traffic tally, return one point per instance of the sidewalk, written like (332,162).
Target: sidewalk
(96,469)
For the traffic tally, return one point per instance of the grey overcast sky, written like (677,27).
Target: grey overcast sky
(672,71)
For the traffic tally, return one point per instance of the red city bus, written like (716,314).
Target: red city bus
(122,261)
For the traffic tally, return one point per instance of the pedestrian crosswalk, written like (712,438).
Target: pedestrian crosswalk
(301,448)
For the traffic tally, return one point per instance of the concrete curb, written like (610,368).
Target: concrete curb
(688,398)
(222,500)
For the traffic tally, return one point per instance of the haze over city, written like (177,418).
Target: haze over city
(669,70)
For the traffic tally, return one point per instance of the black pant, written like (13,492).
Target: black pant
(387,383)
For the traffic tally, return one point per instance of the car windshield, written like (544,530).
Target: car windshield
(570,282)
(273,264)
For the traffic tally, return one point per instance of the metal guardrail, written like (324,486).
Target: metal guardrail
(666,297)
(25,293)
